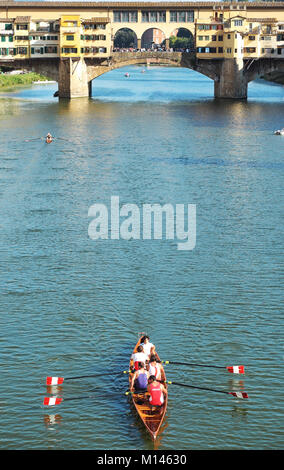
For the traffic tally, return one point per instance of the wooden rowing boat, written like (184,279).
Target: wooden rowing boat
(151,416)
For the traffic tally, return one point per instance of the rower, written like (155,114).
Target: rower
(140,379)
(49,138)
(148,348)
(156,369)
(139,356)
(157,391)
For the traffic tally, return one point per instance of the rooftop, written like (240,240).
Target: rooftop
(121,5)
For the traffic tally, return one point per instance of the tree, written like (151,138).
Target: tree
(125,38)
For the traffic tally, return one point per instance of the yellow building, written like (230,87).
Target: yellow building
(87,29)
(244,36)
(70,33)
(96,37)
(21,41)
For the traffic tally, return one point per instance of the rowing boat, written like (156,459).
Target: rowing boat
(151,416)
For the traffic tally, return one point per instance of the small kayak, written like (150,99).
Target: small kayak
(48,141)
(279,132)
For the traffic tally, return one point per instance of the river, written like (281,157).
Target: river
(71,305)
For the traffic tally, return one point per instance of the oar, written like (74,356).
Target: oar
(232,369)
(60,380)
(61,138)
(235,394)
(36,138)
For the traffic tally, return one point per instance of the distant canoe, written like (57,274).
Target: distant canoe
(44,82)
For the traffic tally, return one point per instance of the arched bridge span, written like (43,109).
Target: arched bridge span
(74,75)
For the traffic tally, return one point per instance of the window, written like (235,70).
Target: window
(37,50)
(238,22)
(20,27)
(9,27)
(229,36)
(3,38)
(220,38)
(251,38)
(153,16)
(182,16)
(200,38)
(69,37)
(214,38)
(50,49)
(22,50)
(229,50)
(206,38)
(125,16)
(250,50)
(212,50)
(220,50)
(69,50)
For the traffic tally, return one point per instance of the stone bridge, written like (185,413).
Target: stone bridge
(75,75)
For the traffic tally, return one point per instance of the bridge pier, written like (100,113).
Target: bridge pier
(73,78)
(232,82)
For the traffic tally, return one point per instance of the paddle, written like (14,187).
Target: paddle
(231,369)
(36,138)
(60,380)
(235,394)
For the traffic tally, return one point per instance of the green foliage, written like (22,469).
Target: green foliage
(23,79)
(181,42)
(125,38)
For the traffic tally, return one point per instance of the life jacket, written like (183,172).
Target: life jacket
(156,395)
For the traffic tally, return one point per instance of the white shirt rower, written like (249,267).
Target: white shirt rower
(155,369)
(139,357)
(149,348)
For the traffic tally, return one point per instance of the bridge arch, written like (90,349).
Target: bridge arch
(152,37)
(125,38)
(176,59)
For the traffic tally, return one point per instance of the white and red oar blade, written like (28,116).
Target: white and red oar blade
(239,394)
(236,369)
(51,401)
(54,380)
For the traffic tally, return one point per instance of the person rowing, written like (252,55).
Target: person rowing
(148,348)
(49,138)
(140,379)
(156,369)
(157,391)
(139,356)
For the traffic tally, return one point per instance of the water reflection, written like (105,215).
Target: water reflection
(52,420)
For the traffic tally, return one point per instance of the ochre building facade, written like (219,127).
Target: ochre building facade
(73,42)
(87,29)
